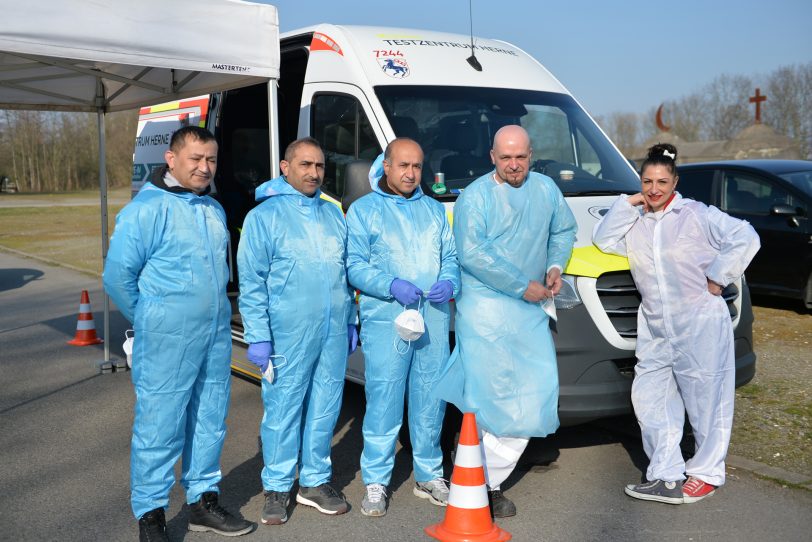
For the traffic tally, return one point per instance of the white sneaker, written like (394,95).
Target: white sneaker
(436,491)
(374,502)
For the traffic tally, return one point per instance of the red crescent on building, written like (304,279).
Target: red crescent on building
(659,119)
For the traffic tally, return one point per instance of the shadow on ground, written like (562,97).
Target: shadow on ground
(11,279)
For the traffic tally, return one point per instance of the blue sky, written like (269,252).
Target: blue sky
(623,55)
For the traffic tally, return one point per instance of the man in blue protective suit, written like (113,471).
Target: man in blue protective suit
(400,248)
(299,322)
(514,234)
(166,271)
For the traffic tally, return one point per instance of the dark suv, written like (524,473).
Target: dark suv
(775,196)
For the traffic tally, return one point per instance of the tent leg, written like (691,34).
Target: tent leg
(105,366)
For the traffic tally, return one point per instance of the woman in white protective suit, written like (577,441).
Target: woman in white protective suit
(682,253)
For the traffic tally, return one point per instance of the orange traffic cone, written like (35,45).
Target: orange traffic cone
(85,327)
(467,516)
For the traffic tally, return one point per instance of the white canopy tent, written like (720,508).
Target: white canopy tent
(110,55)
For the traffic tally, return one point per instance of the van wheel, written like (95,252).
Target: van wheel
(808,293)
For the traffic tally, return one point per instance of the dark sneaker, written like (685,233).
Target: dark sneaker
(695,490)
(323,498)
(501,506)
(207,515)
(658,490)
(374,502)
(275,511)
(152,526)
(436,491)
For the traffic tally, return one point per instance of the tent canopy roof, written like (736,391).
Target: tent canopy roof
(87,55)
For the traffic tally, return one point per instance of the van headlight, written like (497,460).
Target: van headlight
(567,297)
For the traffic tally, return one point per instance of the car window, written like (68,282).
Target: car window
(748,194)
(344,131)
(696,184)
(801,180)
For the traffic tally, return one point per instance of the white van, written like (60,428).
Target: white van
(356,88)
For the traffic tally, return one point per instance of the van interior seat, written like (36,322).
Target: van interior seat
(461,137)
(741,200)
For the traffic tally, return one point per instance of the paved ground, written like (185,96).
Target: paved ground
(65,451)
(116,196)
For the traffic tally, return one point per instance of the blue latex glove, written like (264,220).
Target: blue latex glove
(441,291)
(352,338)
(405,292)
(260,354)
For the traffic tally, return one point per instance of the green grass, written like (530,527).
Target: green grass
(69,235)
(773,413)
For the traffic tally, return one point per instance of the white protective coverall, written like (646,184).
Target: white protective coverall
(684,333)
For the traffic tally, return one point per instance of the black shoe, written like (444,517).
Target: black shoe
(275,511)
(207,515)
(323,498)
(152,526)
(656,490)
(501,506)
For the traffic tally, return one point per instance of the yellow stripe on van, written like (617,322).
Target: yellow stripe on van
(168,106)
(588,261)
(331,199)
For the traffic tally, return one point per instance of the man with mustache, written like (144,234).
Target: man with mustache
(297,314)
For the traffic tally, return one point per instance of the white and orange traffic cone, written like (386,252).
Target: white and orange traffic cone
(468,516)
(85,326)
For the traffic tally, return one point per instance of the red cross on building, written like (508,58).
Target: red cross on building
(757,99)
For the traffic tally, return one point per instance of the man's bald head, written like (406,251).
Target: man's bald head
(511,154)
(512,133)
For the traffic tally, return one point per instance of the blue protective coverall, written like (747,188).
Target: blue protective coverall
(504,366)
(394,237)
(685,349)
(166,271)
(294,293)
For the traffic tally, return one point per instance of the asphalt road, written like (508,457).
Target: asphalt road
(64,444)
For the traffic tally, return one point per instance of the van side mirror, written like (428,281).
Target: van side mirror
(356,182)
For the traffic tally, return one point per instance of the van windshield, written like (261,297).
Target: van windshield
(455,127)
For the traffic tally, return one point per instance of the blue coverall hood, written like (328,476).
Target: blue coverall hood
(376,174)
(279,186)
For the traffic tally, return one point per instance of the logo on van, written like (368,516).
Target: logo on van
(394,67)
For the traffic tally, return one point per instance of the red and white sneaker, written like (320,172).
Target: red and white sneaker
(695,489)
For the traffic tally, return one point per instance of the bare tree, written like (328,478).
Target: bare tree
(623,129)
(687,116)
(725,100)
(789,105)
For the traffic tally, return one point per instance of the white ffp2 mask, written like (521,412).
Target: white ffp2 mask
(269,372)
(548,305)
(409,325)
(128,347)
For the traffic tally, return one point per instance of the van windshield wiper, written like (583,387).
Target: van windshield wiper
(596,193)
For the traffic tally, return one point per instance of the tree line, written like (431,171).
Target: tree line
(45,151)
(51,152)
(721,109)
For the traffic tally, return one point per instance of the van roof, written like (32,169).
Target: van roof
(404,56)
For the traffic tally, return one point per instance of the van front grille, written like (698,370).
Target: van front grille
(621,301)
